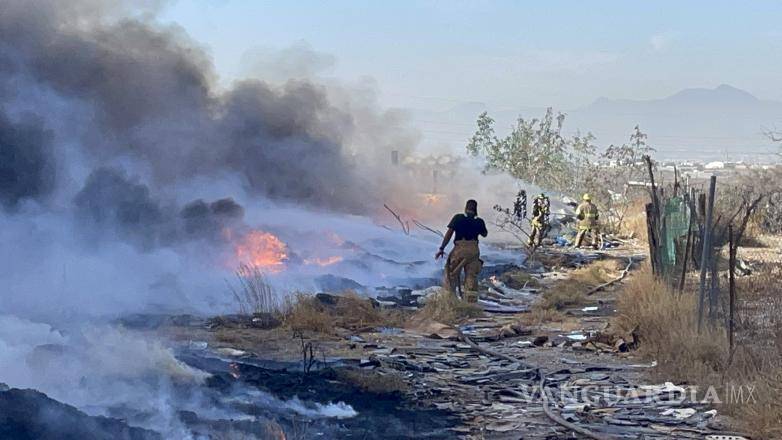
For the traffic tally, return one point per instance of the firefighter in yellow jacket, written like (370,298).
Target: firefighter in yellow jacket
(540,210)
(587,215)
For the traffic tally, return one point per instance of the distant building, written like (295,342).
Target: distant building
(716,165)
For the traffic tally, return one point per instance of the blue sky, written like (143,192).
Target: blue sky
(432,54)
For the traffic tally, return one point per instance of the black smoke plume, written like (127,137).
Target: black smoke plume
(143,92)
(26,162)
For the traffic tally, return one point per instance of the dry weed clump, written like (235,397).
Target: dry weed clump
(538,316)
(562,296)
(307,313)
(253,294)
(570,292)
(347,311)
(355,312)
(634,222)
(667,328)
(446,308)
(519,279)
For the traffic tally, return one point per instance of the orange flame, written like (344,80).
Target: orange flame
(262,250)
(432,198)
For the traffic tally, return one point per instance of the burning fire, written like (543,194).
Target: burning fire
(432,198)
(265,251)
(262,250)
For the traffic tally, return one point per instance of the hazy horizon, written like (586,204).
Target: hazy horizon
(430,57)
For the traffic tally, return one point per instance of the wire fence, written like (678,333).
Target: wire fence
(712,245)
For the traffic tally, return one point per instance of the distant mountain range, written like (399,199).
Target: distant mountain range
(694,123)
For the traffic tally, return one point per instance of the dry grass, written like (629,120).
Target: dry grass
(446,308)
(349,311)
(562,296)
(355,313)
(307,313)
(634,223)
(519,279)
(570,292)
(252,293)
(666,323)
(373,381)
(538,316)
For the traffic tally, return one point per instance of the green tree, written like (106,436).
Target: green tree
(535,151)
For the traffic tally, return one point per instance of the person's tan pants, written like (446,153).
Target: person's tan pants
(582,231)
(465,256)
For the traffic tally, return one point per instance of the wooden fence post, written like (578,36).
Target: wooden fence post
(650,232)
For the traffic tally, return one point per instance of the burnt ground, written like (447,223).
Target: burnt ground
(452,391)
(424,381)
(380,415)
(31,415)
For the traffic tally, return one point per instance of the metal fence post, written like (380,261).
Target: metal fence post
(732,291)
(705,255)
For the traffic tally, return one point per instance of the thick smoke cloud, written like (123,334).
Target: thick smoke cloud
(113,204)
(150,95)
(26,162)
(129,175)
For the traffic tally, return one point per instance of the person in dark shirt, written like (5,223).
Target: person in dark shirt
(465,255)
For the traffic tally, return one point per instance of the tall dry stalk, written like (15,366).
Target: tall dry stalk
(253,294)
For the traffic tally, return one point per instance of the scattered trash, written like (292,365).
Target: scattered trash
(679,413)
(423,295)
(389,330)
(725,437)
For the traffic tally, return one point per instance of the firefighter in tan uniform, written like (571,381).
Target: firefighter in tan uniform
(465,256)
(538,222)
(587,215)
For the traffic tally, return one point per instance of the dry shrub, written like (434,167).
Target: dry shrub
(445,307)
(373,381)
(355,312)
(349,311)
(307,313)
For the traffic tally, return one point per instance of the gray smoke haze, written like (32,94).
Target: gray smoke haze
(113,204)
(26,164)
(127,171)
(147,93)
(128,177)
